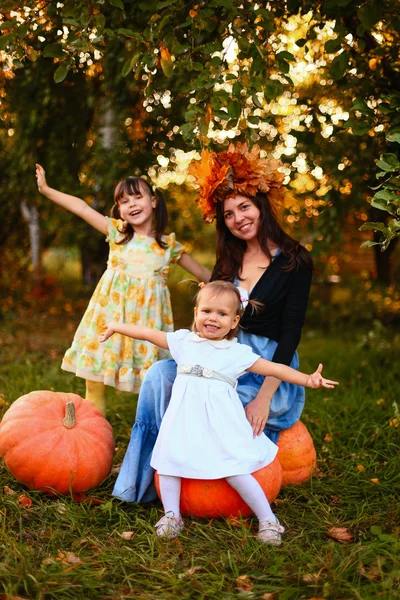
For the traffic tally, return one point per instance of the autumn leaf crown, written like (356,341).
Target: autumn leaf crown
(238,169)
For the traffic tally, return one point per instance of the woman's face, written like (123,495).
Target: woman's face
(242,217)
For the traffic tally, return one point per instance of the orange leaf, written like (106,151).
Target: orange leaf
(25,500)
(375,480)
(328,438)
(236,522)
(340,534)
(360,468)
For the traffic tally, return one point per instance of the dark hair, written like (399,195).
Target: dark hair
(230,249)
(129,187)
(217,288)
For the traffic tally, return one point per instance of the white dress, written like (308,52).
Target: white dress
(204,433)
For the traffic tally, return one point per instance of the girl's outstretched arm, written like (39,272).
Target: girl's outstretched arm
(71,203)
(139,332)
(191,265)
(284,373)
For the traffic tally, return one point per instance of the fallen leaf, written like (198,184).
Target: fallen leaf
(375,480)
(236,522)
(127,535)
(340,534)
(189,572)
(48,561)
(243,582)
(68,558)
(25,501)
(380,401)
(360,468)
(309,578)
(8,491)
(328,438)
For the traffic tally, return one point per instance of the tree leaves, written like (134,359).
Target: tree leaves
(54,51)
(61,73)
(117,3)
(339,65)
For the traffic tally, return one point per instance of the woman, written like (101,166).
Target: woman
(241,190)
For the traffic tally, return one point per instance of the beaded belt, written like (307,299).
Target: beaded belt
(199,371)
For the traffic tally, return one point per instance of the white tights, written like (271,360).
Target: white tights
(246,486)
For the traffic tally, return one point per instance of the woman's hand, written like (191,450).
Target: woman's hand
(41,177)
(316,380)
(109,330)
(257,412)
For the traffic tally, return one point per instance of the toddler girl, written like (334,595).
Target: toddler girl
(132,290)
(204,433)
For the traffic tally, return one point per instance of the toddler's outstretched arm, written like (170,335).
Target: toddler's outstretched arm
(284,373)
(139,332)
(71,203)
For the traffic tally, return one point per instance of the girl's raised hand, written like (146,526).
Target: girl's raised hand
(316,380)
(109,330)
(41,177)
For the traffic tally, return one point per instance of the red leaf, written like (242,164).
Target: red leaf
(81,497)
(243,582)
(25,500)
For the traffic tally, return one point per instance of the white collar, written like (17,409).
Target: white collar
(217,343)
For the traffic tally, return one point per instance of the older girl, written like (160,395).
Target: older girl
(133,288)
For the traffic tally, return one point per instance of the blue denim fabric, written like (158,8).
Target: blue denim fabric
(135,480)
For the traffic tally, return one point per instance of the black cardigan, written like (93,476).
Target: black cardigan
(284,297)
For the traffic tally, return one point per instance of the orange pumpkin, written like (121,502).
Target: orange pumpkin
(296,454)
(212,498)
(54,441)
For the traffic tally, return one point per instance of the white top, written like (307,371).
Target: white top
(205,433)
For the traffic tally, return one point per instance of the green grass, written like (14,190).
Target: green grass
(61,549)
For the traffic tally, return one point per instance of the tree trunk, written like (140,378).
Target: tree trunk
(30,214)
(382,261)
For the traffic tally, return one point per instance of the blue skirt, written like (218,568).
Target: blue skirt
(135,482)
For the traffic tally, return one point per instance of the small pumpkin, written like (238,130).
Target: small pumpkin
(213,498)
(56,442)
(296,454)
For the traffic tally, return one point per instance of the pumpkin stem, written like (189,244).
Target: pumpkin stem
(69,420)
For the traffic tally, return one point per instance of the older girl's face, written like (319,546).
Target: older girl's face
(242,217)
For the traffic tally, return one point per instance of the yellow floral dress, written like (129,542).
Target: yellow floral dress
(133,289)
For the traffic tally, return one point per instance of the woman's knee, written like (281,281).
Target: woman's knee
(155,392)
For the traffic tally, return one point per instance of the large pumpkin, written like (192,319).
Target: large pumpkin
(296,454)
(213,498)
(56,442)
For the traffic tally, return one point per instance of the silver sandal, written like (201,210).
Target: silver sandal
(270,532)
(169,526)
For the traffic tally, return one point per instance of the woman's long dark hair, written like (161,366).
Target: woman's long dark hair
(230,249)
(129,187)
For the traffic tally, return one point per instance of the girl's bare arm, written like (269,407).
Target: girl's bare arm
(191,265)
(75,205)
(138,332)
